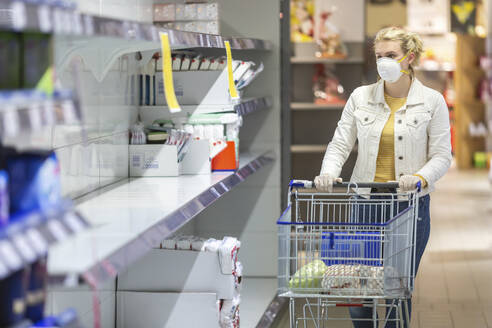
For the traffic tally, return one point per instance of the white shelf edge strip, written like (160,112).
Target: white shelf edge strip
(152,236)
(275,307)
(41,18)
(252,105)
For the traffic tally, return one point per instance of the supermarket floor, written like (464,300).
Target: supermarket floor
(454,284)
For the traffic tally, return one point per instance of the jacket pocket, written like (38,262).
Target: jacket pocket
(365,121)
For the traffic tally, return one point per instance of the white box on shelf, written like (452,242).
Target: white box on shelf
(153,161)
(162,160)
(166,310)
(164,12)
(197,159)
(165,270)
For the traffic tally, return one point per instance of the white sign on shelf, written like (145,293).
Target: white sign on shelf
(73,222)
(88,25)
(57,230)
(428,16)
(34,113)
(77,23)
(69,113)
(12,260)
(37,241)
(48,112)
(22,245)
(44,18)
(58,21)
(10,121)
(19,19)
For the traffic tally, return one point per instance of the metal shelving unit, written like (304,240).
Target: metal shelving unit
(51,19)
(301,106)
(245,107)
(315,60)
(300,149)
(132,216)
(124,220)
(252,105)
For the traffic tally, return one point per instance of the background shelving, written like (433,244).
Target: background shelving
(301,106)
(327,61)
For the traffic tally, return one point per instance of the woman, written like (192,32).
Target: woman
(403,133)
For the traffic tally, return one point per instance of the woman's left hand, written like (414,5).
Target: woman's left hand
(408,182)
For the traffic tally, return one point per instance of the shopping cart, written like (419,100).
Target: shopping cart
(347,249)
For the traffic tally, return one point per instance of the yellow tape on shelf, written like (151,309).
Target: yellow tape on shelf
(167,75)
(232,86)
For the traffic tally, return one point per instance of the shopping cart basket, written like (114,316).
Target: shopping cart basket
(352,248)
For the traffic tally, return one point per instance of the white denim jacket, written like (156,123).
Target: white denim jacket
(422,134)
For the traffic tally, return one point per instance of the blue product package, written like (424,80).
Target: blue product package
(13,291)
(343,247)
(4,198)
(34,182)
(67,318)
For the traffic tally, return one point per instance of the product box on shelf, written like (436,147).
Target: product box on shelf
(227,159)
(191,271)
(166,310)
(34,181)
(162,160)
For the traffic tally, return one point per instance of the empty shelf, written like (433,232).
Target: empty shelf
(130,217)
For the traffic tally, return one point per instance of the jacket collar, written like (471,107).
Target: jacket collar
(415,94)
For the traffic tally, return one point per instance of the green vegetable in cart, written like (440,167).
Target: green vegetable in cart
(309,276)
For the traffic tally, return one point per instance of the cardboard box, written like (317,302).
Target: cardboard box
(153,161)
(166,310)
(178,271)
(162,160)
(164,12)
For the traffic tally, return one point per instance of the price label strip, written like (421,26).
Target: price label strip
(167,74)
(232,86)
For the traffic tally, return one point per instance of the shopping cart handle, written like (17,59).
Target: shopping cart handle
(301,184)
(372,185)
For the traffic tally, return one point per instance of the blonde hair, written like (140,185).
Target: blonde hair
(410,42)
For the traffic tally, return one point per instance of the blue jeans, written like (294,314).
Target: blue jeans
(423,232)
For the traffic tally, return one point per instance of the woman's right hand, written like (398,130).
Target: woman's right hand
(324,182)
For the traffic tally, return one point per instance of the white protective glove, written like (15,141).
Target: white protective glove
(324,182)
(409,182)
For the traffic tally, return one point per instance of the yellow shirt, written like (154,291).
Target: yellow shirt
(385,163)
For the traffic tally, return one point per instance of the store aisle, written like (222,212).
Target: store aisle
(454,285)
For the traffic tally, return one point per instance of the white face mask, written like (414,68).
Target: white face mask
(390,69)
